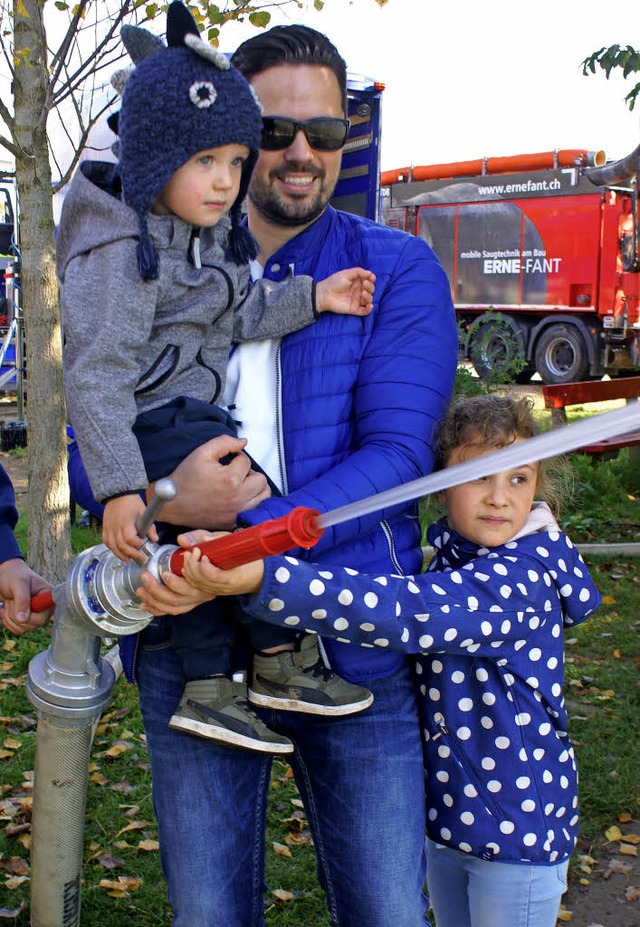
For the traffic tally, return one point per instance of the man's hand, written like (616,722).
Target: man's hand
(210,494)
(17,584)
(348,292)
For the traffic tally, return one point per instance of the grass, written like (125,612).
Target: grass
(603,698)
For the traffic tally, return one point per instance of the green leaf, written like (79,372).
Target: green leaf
(261,20)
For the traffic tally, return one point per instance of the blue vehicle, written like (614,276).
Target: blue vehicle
(358,187)
(9,285)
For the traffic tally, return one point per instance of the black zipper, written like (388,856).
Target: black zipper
(492,807)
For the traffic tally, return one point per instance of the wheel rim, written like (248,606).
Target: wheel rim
(560,357)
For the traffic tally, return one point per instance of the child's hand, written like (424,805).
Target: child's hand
(349,292)
(119,527)
(203,575)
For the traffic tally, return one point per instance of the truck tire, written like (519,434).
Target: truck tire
(561,355)
(496,351)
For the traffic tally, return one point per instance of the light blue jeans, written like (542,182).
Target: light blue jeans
(361,781)
(469,892)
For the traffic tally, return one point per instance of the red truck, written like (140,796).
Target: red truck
(542,254)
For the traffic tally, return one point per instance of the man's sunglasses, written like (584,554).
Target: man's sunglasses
(326,133)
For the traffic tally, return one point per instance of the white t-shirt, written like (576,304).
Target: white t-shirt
(251,396)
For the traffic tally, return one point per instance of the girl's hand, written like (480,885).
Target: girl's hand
(173,596)
(200,582)
(202,574)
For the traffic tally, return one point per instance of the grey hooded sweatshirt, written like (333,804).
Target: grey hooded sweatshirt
(132,345)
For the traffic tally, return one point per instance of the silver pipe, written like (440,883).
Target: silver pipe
(70,685)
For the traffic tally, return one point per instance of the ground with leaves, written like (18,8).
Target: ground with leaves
(122,871)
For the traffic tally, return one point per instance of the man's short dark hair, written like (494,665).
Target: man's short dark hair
(291,45)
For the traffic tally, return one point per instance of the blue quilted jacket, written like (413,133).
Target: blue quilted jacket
(487,625)
(358,403)
(360,399)
(8,518)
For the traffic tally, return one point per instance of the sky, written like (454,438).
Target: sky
(465,79)
(468,79)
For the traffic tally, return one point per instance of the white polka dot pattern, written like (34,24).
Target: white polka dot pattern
(488,627)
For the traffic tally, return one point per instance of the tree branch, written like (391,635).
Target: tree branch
(87,64)
(11,147)
(6,116)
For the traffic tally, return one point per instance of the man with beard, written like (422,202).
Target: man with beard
(333,414)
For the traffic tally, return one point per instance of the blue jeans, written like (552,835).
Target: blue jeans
(469,892)
(361,781)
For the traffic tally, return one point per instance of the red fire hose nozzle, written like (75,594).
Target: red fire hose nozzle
(299,528)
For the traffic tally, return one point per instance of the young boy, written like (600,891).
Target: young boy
(145,353)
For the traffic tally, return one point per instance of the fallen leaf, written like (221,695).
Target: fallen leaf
(632,893)
(625,817)
(15,866)
(586,860)
(5,912)
(14,882)
(134,825)
(298,840)
(564,915)
(281,895)
(149,845)
(118,748)
(630,838)
(616,866)
(627,850)
(613,833)
(107,861)
(124,885)
(99,778)
(122,787)
(281,850)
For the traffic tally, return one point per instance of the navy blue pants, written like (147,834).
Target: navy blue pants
(204,638)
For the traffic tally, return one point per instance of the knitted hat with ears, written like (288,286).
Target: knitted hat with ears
(177,101)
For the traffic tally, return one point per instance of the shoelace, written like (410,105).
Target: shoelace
(244,704)
(319,669)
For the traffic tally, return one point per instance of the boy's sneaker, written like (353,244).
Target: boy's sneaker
(217,708)
(299,680)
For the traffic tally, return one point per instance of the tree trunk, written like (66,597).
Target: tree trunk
(48,496)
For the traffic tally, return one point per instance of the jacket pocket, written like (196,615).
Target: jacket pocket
(449,738)
(160,370)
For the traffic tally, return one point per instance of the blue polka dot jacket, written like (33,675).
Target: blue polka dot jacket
(488,628)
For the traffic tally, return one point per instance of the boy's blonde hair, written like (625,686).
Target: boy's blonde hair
(492,422)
